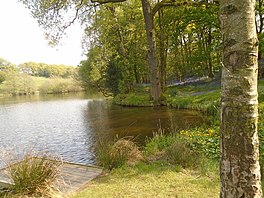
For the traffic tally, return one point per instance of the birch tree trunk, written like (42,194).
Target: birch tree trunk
(240,171)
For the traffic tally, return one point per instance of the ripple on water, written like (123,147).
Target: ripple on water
(69,127)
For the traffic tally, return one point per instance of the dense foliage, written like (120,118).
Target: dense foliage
(188,43)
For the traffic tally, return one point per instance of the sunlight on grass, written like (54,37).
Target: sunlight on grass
(157,182)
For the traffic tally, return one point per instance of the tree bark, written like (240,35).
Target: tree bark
(163,42)
(240,170)
(152,53)
(208,48)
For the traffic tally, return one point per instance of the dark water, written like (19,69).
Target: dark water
(70,125)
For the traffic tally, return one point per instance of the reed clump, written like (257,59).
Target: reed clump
(120,152)
(33,176)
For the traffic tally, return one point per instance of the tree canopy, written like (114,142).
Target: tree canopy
(180,39)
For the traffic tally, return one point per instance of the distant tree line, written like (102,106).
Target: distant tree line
(47,70)
(31,78)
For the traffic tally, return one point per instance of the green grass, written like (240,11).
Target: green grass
(170,169)
(207,102)
(203,97)
(153,180)
(134,99)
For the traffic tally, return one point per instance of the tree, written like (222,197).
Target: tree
(7,66)
(240,171)
(148,12)
(118,40)
(2,76)
(193,40)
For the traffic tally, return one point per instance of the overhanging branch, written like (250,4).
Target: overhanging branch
(107,1)
(164,3)
(170,3)
(78,7)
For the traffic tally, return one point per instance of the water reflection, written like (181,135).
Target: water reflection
(106,120)
(70,125)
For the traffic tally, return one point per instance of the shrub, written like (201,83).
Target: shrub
(118,153)
(180,154)
(33,176)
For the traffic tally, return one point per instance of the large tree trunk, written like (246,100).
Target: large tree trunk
(240,171)
(152,53)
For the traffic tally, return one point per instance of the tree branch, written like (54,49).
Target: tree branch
(162,4)
(169,3)
(107,1)
(78,7)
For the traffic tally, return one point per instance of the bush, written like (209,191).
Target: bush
(180,154)
(118,153)
(33,176)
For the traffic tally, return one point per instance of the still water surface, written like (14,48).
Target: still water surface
(70,125)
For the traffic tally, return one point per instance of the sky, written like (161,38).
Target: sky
(22,40)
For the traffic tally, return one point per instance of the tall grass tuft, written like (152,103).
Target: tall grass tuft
(159,142)
(33,176)
(173,149)
(115,154)
(180,154)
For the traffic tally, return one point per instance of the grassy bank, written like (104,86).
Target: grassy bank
(202,96)
(140,98)
(153,180)
(171,166)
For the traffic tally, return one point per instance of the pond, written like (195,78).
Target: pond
(70,125)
